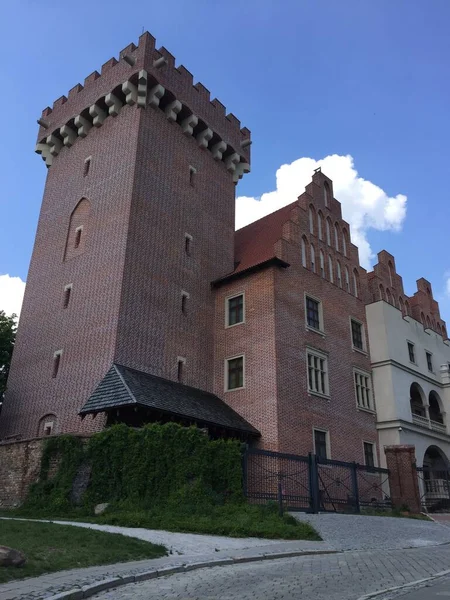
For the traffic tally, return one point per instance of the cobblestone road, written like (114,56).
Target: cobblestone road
(344,576)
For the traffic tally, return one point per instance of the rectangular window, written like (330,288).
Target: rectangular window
(235,373)
(235,310)
(184,302)
(363,390)
(317,373)
(56,363)
(321,443)
(369,454)
(429,361)
(48,428)
(187,244)
(313,316)
(357,335)
(412,356)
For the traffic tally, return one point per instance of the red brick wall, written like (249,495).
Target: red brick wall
(403,481)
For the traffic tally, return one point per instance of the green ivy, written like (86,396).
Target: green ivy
(156,466)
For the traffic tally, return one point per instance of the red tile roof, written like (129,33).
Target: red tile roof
(254,244)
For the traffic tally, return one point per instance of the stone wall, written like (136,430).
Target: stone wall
(19,468)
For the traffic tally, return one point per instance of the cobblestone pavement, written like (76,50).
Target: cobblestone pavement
(432,590)
(345,576)
(358,532)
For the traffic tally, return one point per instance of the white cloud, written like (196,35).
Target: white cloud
(364,205)
(11,294)
(447,284)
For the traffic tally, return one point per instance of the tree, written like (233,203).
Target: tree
(8,328)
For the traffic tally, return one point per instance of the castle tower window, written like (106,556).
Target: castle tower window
(234,373)
(87,166)
(320,224)
(181,361)
(344,241)
(78,232)
(311,220)
(330,269)
(192,173)
(336,236)
(347,280)
(234,310)
(326,193)
(304,252)
(339,274)
(67,293)
(328,228)
(322,264)
(355,283)
(313,259)
(184,302)
(56,363)
(188,243)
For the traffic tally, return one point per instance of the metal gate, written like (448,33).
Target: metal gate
(434,489)
(313,484)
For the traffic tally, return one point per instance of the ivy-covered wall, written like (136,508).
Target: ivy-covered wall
(157,465)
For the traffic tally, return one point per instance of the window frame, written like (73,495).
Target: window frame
(408,344)
(363,373)
(327,441)
(322,356)
(321,329)
(226,373)
(375,457)
(429,355)
(362,350)
(227,312)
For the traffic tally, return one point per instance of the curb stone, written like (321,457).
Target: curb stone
(108,584)
(405,586)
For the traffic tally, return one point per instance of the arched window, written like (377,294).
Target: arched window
(344,241)
(313,259)
(320,224)
(407,308)
(336,236)
(322,264)
(391,273)
(382,296)
(388,295)
(402,305)
(435,407)
(355,282)
(330,269)
(304,264)
(326,193)
(347,280)
(339,274)
(428,323)
(76,234)
(47,425)
(416,399)
(311,220)
(329,231)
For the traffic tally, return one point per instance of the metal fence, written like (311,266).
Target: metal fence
(313,484)
(434,489)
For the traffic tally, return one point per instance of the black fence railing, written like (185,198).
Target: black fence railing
(313,484)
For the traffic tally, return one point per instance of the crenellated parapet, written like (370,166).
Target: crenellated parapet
(145,78)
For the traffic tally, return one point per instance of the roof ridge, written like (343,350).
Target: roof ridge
(130,393)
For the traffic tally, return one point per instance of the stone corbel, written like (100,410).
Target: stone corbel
(241,168)
(203,137)
(172,110)
(98,114)
(54,144)
(44,151)
(142,89)
(155,95)
(231,162)
(218,150)
(130,91)
(68,134)
(83,125)
(114,104)
(188,124)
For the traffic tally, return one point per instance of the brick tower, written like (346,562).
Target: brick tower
(137,220)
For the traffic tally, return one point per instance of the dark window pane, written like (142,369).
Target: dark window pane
(236,310)
(357,335)
(411,352)
(429,362)
(235,373)
(369,454)
(320,443)
(312,313)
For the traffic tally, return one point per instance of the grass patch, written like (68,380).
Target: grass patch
(233,519)
(50,548)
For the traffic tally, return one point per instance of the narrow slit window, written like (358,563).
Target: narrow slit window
(188,244)
(180,369)
(67,293)
(192,173)
(87,166)
(184,302)
(56,364)
(78,232)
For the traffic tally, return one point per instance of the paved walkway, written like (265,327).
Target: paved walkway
(434,590)
(357,532)
(344,576)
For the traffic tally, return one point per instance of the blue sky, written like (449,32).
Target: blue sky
(309,78)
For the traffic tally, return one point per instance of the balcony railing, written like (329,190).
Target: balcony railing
(429,424)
